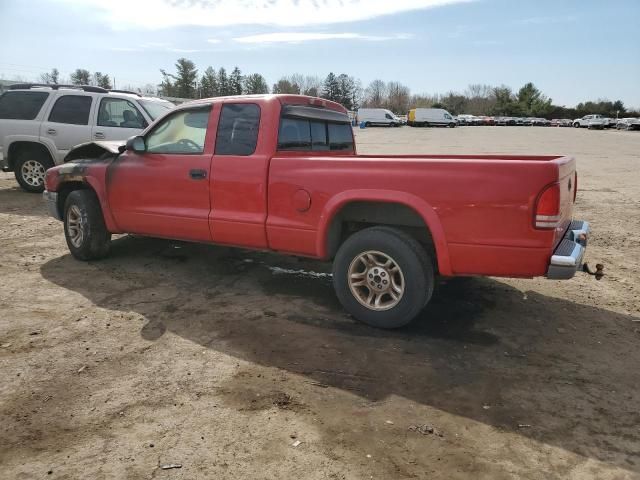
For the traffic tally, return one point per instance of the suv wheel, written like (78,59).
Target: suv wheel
(84,229)
(383,277)
(30,169)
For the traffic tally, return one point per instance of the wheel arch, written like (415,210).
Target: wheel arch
(361,208)
(18,146)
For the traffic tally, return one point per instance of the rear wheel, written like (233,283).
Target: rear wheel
(452,125)
(30,168)
(383,277)
(84,229)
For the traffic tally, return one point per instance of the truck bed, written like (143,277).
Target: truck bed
(478,208)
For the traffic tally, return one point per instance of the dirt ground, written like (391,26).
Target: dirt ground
(220,360)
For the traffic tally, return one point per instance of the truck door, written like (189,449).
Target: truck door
(117,119)
(239,173)
(164,190)
(68,123)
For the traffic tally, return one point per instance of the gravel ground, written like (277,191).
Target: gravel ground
(222,360)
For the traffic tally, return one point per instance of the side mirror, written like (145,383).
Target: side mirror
(136,144)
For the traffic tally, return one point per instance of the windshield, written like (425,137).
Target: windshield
(156,108)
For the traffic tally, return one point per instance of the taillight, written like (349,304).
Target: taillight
(547,214)
(575,187)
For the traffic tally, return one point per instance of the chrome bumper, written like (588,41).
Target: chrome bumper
(568,256)
(51,199)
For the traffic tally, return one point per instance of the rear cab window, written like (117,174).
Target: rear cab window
(21,105)
(305,128)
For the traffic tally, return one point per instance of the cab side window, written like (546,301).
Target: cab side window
(238,129)
(119,112)
(72,109)
(183,133)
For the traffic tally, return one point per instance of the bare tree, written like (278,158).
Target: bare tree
(375,95)
(398,97)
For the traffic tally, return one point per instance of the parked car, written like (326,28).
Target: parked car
(611,122)
(378,117)
(430,117)
(501,121)
(39,124)
(281,173)
(519,121)
(465,119)
(628,124)
(540,122)
(561,122)
(591,121)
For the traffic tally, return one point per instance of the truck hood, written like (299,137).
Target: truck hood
(95,150)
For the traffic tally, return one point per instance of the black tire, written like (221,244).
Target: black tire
(95,239)
(29,170)
(367,124)
(576,125)
(452,125)
(416,270)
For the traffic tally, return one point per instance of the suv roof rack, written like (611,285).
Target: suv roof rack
(86,88)
(125,91)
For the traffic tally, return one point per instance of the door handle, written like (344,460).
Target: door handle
(98,135)
(51,131)
(198,174)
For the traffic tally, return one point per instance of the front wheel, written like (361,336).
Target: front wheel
(84,229)
(383,277)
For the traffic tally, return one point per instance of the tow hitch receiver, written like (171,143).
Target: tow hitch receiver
(599,273)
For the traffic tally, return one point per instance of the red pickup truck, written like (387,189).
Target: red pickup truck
(281,173)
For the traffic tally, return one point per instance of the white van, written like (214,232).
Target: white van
(430,117)
(378,116)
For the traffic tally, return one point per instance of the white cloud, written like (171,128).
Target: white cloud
(183,50)
(547,20)
(213,40)
(290,13)
(297,37)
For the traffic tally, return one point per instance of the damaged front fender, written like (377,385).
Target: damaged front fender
(95,150)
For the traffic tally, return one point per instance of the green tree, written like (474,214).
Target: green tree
(331,88)
(81,77)
(235,82)
(185,78)
(223,82)
(255,84)
(102,80)
(209,83)
(285,85)
(532,101)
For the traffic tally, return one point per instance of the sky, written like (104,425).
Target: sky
(573,50)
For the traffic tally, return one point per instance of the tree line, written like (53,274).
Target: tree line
(477,99)
(79,76)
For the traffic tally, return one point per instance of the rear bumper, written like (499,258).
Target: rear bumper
(4,164)
(51,199)
(568,256)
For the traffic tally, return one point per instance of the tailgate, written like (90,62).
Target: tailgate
(568,184)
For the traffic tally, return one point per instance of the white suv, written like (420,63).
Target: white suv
(39,124)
